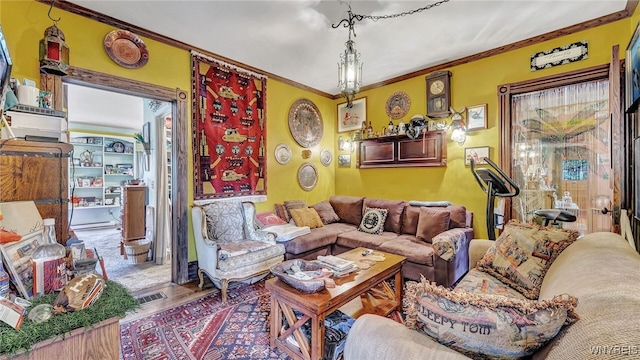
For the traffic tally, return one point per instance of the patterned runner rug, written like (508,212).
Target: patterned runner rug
(205,329)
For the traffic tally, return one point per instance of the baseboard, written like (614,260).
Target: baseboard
(100,225)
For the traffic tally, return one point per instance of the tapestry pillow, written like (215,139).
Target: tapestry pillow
(306,217)
(326,212)
(373,221)
(523,253)
(268,218)
(485,324)
(225,221)
(431,223)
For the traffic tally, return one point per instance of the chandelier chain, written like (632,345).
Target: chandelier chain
(410,12)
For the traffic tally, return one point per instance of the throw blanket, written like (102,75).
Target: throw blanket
(447,244)
(287,232)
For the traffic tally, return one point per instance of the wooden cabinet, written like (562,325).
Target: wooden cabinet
(37,171)
(402,151)
(134,201)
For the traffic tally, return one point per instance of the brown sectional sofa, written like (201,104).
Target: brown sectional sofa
(399,237)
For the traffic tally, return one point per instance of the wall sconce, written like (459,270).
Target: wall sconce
(54,52)
(459,133)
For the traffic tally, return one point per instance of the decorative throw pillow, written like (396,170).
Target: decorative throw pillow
(281,211)
(489,325)
(326,212)
(431,223)
(306,217)
(373,221)
(523,253)
(294,204)
(268,218)
(225,221)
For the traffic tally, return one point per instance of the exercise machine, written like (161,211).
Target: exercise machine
(495,183)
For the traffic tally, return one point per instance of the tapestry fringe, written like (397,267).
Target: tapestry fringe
(231,66)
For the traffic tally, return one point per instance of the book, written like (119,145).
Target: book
(336,263)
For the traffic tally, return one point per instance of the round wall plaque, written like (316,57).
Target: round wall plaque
(126,49)
(326,157)
(398,105)
(307,176)
(305,123)
(283,154)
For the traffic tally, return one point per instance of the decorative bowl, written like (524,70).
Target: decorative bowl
(305,286)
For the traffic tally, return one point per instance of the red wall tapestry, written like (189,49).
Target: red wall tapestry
(229,129)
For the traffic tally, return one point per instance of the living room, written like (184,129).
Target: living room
(474,80)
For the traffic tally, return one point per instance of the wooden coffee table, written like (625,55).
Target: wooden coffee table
(369,284)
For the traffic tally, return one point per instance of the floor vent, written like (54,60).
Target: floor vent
(148,298)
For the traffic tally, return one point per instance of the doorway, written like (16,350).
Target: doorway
(178,99)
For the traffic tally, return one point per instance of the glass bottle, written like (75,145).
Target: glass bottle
(49,266)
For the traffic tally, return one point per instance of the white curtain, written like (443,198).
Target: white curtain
(163,224)
(561,151)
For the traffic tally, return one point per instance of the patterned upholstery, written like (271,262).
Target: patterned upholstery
(229,246)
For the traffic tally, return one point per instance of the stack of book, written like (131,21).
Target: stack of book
(339,266)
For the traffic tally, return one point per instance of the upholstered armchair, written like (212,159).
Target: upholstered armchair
(228,245)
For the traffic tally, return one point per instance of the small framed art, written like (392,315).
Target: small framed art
(344,160)
(477,117)
(351,118)
(477,154)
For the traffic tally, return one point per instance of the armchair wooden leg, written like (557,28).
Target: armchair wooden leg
(201,276)
(225,284)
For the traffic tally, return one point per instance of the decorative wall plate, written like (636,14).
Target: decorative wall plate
(305,123)
(326,157)
(307,176)
(398,105)
(283,154)
(126,49)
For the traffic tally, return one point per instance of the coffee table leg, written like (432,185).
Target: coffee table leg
(399,289)
(317,337)
(276,321)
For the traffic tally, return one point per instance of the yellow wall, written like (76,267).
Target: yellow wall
(474,83)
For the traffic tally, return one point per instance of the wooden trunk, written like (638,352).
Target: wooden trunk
(37,171)
(100,342)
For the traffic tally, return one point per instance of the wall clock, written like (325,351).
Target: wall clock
(438,94)
(305,123)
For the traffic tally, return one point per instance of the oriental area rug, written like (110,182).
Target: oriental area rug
(205,329)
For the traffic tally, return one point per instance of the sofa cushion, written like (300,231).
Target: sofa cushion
(416,251)
(225,221)
(268,218)
(523,253)
(410,219)
(485,324)
(294,204)
(373,221)
(354,239)
(281,211)
(480,282)
(457,216)
(306,217)
(431,223)
(318,238)
(326,212)
(348,208)
(395,208)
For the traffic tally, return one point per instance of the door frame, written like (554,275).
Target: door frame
(506,93)
(179,102)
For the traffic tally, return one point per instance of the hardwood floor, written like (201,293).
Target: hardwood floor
(176,294)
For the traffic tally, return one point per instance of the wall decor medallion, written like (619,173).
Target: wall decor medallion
(305,123)
(398,105)
(326,157)
(560,55)
(307,176)
(283,154)
(126,49)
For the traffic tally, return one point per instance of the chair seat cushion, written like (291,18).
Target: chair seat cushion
(233,255)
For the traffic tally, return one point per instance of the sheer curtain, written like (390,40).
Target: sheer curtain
(561,153)
(163,224)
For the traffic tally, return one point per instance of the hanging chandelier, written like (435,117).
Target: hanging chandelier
(350,65)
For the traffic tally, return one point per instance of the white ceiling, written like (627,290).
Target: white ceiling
(294,39)
(103,108)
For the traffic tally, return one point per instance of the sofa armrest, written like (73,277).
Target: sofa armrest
(251,230)
(448,243)
(374,337)
(477,249)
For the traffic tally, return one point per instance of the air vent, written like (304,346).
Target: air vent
(148,298)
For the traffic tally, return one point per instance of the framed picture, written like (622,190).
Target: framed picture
(344,160)
(351,118)
(17,260)
(632,81)
(477,117)
(477,154)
